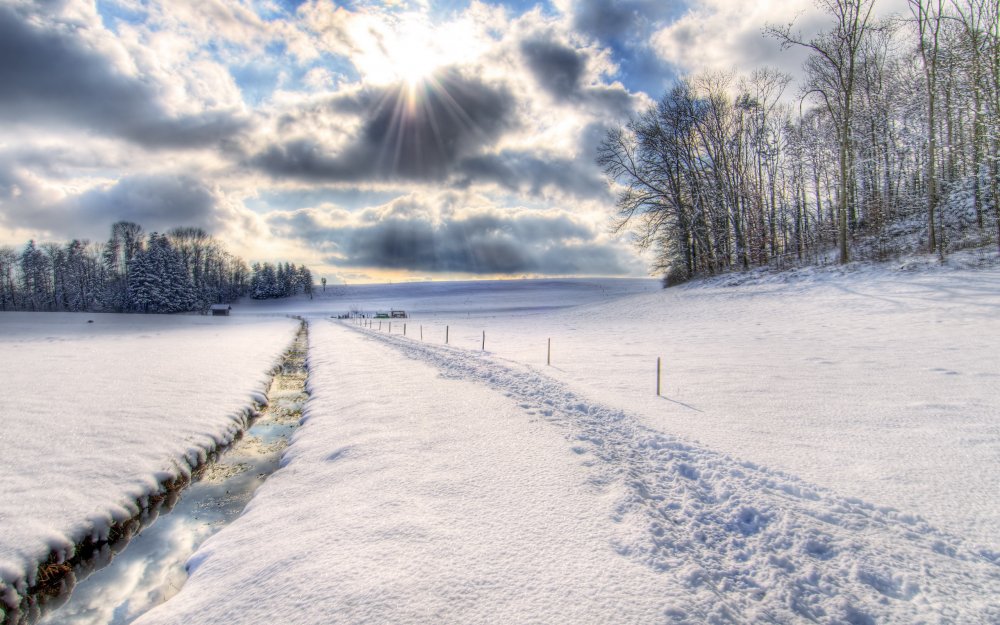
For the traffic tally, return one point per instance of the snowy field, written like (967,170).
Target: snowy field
(95,415)
(882,386)
(827,450)
(490,298)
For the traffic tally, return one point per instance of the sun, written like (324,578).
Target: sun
(409,48)
(413,53)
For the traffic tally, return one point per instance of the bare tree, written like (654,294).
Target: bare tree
(927,15)
(832,69)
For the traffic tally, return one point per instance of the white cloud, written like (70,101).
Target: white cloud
(728,34)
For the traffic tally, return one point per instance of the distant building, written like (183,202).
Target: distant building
(221,310)
(392,314)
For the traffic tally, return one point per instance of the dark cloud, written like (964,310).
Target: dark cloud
(557,68)
(157,202)
(50,72)
(415,136)
(477,244)
(527,173)
(616,20)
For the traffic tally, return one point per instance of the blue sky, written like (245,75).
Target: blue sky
(371,140)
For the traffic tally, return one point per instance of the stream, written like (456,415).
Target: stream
(126,579)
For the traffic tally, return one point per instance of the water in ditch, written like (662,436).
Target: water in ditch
(128,578)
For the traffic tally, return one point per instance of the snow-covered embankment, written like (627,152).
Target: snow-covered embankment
(97,416)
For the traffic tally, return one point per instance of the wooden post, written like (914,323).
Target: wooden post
(379,326)
(657,376)
(390,327)
(404,329)
(421,332)
(484,340)
(446,335)
(548,357)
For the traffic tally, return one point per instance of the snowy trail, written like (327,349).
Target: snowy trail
(742,543)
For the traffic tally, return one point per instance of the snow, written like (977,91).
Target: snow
(98,409)
(827,450)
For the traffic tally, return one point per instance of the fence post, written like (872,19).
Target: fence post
(657,376)
(484,340)
(379,326)
(404,329)
(390,327)
(548,356)
(421,332)
(446,335)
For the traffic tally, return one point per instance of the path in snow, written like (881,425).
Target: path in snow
(738,542)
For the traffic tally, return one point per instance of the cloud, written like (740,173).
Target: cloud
(557,67)
(616,20)
(157,202)
(409,234)
(65,70)
(727,34)
(404,135)
(565,73)
(532,174)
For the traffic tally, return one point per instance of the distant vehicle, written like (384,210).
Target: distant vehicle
(221,310)
(397,314)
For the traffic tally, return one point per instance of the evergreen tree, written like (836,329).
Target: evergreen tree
(184,271)
(36,277)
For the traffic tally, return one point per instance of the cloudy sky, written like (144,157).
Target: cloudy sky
(369,139)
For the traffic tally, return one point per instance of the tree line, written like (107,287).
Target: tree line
(184,270)
(892,140)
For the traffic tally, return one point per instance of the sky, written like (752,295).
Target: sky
(371,140)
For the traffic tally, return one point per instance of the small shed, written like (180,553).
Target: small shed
(397,314)
(221,310)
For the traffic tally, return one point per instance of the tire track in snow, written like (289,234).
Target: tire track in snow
(744,543)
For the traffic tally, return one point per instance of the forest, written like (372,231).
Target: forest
(184,270)
(890,144)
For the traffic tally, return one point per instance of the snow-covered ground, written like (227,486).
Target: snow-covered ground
(828,450)
(881,385)
(95,415)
